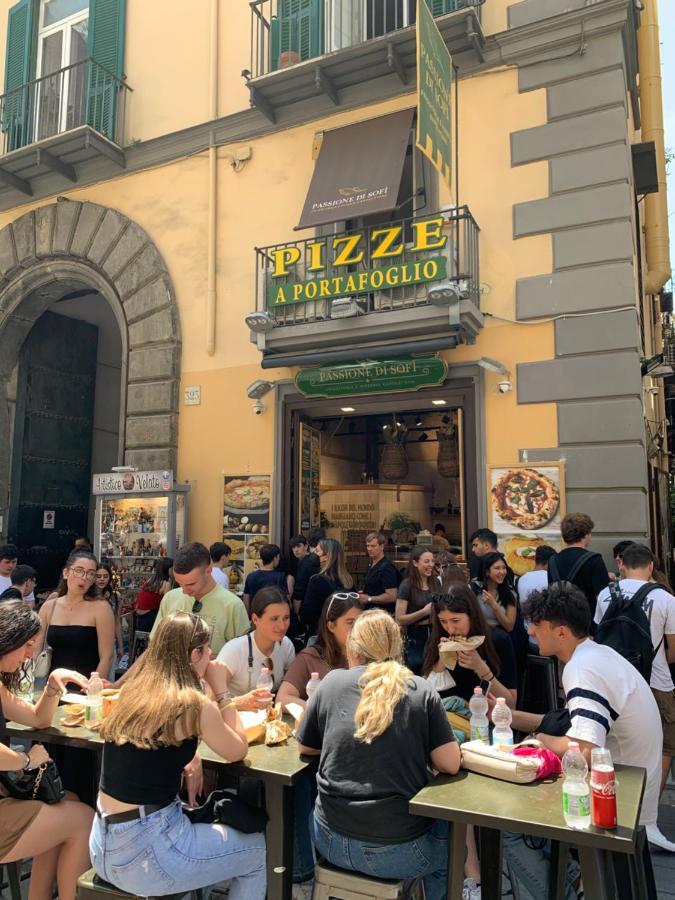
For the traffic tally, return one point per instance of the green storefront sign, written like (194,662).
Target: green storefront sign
(372,376)
(434,93)
(354,283)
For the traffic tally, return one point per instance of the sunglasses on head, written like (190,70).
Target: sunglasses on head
(344,595)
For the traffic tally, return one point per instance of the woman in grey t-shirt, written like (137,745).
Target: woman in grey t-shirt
(378,718)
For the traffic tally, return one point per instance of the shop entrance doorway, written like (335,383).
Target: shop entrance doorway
(400,464)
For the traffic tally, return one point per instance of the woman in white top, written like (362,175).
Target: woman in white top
(265,646)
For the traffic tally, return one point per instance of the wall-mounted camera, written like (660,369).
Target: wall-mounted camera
(259,408)
(505,386)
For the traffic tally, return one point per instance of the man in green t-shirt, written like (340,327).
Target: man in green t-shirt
(198,592)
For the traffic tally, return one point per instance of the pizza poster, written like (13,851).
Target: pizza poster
(246,522)
(526,498)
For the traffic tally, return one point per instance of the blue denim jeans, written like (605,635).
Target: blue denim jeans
(426,857)
(164,853)
(529,860)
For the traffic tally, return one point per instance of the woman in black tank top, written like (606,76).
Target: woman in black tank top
(29,828)
(141,840)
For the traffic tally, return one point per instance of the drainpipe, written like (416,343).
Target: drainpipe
(211,290)
(657,241)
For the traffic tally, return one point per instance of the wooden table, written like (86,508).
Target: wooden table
(279,768)
(535,809)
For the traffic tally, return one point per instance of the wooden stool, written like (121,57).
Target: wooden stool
(344,885)
(91,887)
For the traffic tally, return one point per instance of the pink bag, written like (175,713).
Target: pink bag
(549,762)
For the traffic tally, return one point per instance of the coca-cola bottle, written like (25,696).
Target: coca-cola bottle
(603,789)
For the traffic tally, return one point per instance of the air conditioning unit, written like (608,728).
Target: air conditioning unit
(347,308)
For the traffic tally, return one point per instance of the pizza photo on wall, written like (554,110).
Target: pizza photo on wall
(528,497)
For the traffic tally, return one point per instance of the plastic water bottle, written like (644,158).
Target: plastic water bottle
(93,711)
(575,789)
(501,719)
(265,681)
(312,685)
(479,724)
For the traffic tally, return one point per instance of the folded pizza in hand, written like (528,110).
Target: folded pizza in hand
(449,648)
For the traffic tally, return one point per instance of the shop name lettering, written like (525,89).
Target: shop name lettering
(113,484)
(349,250)
(366,373)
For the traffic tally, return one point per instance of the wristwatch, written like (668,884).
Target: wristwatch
(27,764)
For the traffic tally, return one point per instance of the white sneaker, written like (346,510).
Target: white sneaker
(303,890)
(657,839)
(471,889)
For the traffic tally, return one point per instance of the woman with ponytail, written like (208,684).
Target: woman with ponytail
(377,717)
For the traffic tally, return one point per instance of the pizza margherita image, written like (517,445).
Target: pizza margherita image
(525,498)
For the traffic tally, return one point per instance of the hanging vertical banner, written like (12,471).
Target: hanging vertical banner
(434,93)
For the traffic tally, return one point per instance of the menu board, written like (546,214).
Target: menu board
(246,523)
(309,477)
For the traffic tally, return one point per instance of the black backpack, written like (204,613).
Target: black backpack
(554,571)
(625,628)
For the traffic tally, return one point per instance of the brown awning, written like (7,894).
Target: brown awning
(359,170)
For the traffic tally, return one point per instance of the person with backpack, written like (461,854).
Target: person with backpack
(609,705)
(575,562)
(636,587)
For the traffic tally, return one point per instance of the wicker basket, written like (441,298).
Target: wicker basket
(448,458)
(394,462)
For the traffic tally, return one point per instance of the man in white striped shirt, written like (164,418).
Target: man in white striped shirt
(609,703)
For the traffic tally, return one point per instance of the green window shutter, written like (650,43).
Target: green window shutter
(440,7)
(297,28)
(19,71)
(106,48)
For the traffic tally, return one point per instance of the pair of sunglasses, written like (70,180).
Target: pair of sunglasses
(343,595)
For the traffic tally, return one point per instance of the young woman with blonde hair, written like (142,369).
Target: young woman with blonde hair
(377,717)
(332,576)
(141,841)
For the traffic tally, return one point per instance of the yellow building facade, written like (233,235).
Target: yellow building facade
(136,187)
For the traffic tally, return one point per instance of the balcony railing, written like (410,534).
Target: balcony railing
(304,262)
(85,93)
(285,32)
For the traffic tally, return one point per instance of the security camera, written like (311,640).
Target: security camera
(504,386)
(259,408)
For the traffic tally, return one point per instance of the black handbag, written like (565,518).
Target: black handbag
(43,783)
(228,809)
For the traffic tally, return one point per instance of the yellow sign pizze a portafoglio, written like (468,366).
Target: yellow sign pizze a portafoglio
(357,263)
(434,93)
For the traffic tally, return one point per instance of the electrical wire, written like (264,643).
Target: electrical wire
(580,315)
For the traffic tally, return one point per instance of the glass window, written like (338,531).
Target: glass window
(55,10)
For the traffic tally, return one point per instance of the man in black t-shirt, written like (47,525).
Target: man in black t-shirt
(381,582)
(576,563)
(309,565)
(482,541)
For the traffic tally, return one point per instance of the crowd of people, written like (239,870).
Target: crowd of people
(379,707)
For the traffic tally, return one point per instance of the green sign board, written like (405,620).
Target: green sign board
(372,376)
(354,283)
(434,93)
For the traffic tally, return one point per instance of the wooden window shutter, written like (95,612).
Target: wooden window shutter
(106,49)
(20,58)
(297,29)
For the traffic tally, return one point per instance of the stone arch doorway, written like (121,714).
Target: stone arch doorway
(86,254)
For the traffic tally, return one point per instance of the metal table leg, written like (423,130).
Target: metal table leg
(490,849)
(456,853)
(597,879)
(279,836)
(559,857)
